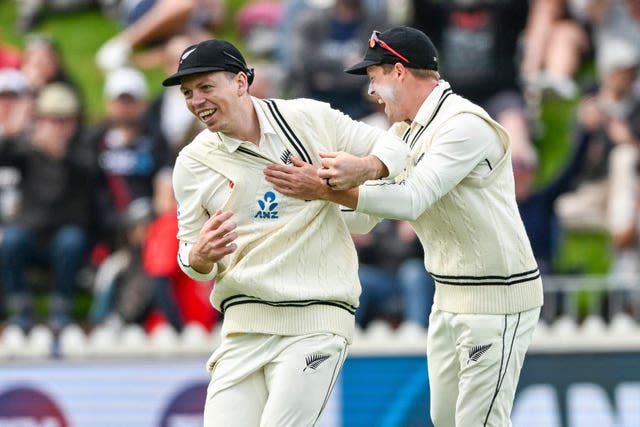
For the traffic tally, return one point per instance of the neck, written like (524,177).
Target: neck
(246,126)
(418,94)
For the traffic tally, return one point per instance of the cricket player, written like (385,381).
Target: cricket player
(458,193)
(286,269)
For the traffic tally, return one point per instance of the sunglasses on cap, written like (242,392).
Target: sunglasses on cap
(375,40)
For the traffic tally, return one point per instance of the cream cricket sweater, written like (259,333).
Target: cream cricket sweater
(476,247)
(295,270)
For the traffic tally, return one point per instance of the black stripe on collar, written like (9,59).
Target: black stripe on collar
(288,132)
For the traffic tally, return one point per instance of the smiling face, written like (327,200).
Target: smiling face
(214,98)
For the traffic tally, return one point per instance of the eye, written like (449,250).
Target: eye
(186,93)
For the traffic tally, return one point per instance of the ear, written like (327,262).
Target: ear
(399,70)
(242,83)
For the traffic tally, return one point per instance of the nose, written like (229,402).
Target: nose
(370,90)
(197,97)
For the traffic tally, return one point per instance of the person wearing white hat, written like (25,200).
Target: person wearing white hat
(128,154)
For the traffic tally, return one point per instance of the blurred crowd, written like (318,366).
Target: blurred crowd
(88,207)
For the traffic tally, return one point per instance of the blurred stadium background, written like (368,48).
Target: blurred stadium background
(583,369)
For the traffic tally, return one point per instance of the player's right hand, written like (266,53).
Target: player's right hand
(215,241)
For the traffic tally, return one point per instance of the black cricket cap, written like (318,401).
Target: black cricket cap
(412,44)
(207,56)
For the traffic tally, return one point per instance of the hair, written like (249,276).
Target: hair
(232,75)
(420,73)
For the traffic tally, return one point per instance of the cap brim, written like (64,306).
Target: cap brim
(361,67)
(176,79)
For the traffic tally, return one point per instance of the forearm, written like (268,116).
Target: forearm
(348,198)
(375,167)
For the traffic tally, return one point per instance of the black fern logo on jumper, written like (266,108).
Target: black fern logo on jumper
(477,351)
(314,360)
(267,206)
(286,157)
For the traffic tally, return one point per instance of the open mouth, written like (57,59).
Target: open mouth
(206,115)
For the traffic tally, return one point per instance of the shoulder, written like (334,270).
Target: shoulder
(300,105)
(301,111)
(205,137)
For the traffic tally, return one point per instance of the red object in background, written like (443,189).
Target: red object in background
(10,57)
(99,253)
(160,259)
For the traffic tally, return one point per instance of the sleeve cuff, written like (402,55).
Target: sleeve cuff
(183,262)
(394,154)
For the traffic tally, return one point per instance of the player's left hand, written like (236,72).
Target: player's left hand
(299,180)
(344,171)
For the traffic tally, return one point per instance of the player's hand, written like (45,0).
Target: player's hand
(299,180)
(342,171)
(215,241)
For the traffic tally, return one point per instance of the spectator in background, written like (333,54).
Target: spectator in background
(395,284)
(16,104)
(415,283)
(42,63)
(16,109)
(609,20)
(294,9)
(123,292)
(128,155)
(51,226)
(536,205)
(152,22)
(259,23)
(623,218)
(609,117)
(166,119)
(335,37)
(553,45)
(141,282)
(171,285)
(478,41)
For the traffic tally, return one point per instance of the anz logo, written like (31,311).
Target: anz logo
(267,206)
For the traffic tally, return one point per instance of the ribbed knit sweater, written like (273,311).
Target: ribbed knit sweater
(295,270)
(476,247)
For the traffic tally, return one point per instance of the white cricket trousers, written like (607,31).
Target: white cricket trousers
(474,363)
(262,380)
